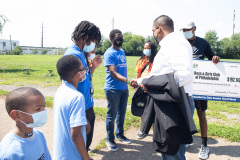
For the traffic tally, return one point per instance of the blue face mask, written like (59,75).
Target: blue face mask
(147,52)
(89,48)
(188,34)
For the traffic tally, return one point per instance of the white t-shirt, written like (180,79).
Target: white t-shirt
(69,112)
(13,147)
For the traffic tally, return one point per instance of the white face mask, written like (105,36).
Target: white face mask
(39,119)
(89,48)
(188,34)
(91,56)
(83,79)
(147,52)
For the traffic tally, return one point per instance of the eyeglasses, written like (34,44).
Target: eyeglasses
(84,68)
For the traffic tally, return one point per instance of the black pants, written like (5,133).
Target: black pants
(91,118)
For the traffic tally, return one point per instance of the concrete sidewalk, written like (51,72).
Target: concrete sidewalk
(139,149)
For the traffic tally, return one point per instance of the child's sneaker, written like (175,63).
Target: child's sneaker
(203,153)
(124,140)
(112,145)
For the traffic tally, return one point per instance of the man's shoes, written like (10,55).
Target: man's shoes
(124,140)
(203,153)
(112,145)
(141,135)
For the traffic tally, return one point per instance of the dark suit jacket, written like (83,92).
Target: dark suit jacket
(173,120)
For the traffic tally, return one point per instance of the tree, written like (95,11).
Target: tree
(44,51)
(99,46)
(3,20)
(35,51)
(231,47)
(17,51)
(212,38)
(106,44)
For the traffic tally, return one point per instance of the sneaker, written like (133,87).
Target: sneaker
(112,145)
(187,145)
(124,140)
(203,153)
(141,135)
(90,151)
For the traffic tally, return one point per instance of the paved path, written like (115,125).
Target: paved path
(139,149)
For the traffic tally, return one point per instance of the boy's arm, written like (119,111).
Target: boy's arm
(78,140)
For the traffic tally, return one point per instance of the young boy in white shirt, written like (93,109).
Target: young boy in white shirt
(70,123)
(26,106)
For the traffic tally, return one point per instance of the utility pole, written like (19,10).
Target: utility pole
(10,43)
(113,23)
(42,36)
(233,21)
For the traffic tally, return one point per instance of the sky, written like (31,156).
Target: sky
(59,17)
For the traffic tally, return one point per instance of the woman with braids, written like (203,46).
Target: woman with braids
(143,68)
(86,36)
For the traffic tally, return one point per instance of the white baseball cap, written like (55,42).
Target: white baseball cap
(188,25)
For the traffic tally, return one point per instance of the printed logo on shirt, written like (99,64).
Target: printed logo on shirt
(123,58)
(194,49)
(42,157)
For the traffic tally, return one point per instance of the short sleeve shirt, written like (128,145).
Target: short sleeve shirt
(85,86)
(140,64)
(117,58)
(69,112)
(13,147)
(201,48)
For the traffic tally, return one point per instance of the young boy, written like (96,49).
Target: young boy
(26,106)
(69,112)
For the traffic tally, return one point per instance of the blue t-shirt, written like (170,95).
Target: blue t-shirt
(85,86)
(68,112)
(117,58)
(13,147)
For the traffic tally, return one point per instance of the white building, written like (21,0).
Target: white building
(50,50)
(7,45)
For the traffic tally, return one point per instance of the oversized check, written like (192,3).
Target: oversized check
(216,82)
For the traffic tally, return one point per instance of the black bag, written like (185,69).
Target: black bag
(139,101)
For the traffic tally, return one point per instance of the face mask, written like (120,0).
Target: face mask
(118,42)
(39,119)
(91,56)
(155,39)
(89,48)
(147,52)
(188,34)
(83,79)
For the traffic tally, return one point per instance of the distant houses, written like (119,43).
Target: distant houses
(8,46)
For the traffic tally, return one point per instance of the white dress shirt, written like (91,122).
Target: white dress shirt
(175,55)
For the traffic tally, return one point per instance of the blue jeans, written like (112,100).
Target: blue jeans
(180,155)
(117,105)
(191,105)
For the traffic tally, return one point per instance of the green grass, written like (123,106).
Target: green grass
(13,69)
(4,93)
(12,72)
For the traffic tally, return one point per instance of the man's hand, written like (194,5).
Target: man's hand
(215,59)
(133,83)
(144,88)
(96,61)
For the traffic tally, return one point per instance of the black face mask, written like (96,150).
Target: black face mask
(118,42)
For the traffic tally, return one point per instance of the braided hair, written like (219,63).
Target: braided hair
(86,28)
